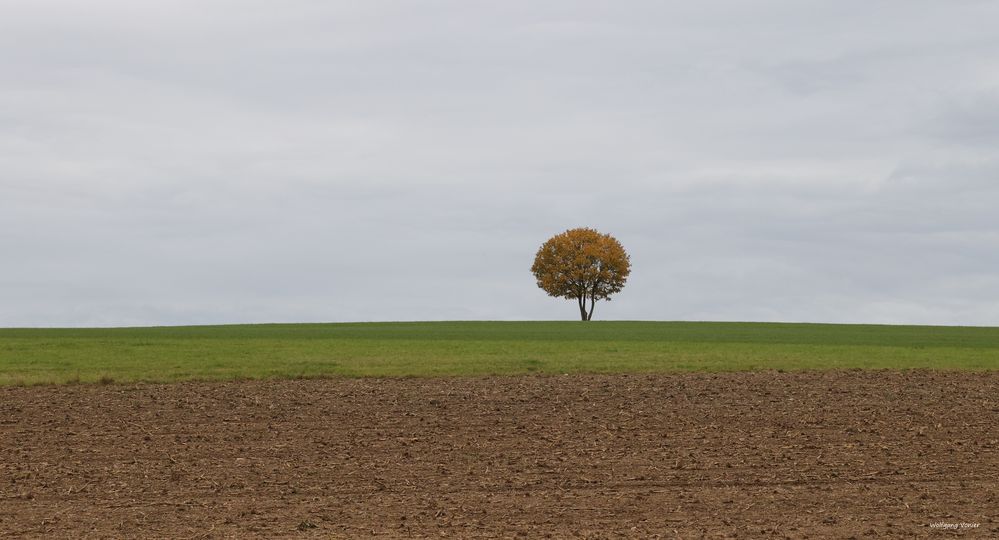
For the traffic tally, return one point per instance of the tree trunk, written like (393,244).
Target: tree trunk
(581,300)
(593,302)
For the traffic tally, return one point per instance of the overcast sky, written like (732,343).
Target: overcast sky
(191,162)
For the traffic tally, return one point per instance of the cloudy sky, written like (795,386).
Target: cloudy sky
(223,161)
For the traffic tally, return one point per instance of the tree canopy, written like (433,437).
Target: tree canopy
(584,265)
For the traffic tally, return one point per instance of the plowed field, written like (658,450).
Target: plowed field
(808,454)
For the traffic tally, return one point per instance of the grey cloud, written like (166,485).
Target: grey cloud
(970,121)
(198,162)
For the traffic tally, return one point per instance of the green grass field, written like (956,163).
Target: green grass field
(39,356)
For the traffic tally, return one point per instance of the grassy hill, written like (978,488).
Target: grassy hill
(34,356)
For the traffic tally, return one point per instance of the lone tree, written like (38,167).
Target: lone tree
(582,265)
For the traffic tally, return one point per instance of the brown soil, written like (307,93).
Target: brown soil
(832,454)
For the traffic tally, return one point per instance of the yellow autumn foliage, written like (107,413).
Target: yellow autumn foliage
(583,265)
